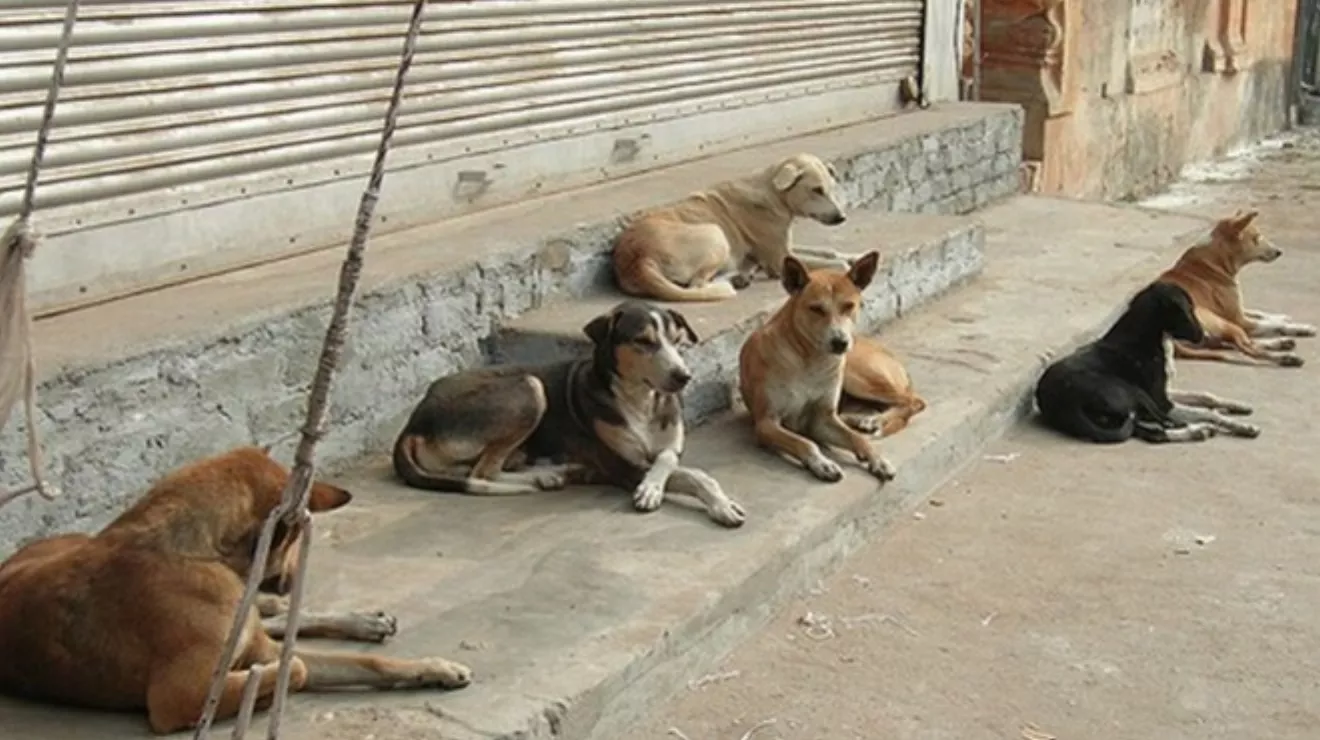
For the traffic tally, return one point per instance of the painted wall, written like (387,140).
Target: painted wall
(1120,94)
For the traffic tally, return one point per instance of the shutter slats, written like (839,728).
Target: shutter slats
(172,105)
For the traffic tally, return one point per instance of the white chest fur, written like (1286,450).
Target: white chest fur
(795,392)
(1169,368)
(646,434)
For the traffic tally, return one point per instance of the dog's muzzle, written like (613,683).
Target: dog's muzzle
(834,219)
(840,345)
(678,380)
(1273,254)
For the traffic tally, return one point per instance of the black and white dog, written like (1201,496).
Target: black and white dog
(1117,387)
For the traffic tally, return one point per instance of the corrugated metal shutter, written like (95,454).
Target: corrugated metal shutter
(173,107)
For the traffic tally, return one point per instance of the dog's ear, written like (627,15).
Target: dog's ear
(683,324)
(1235,224)
(325,497)
(793,275)
(863,269)
(266,448)
(787,176)
(598,329)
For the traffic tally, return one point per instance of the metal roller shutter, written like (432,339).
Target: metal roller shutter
(196,136)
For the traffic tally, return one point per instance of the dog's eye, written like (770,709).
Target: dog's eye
(819,310)
(848,307)
(818,190)
(647,343)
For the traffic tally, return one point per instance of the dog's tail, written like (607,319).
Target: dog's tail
(410,472)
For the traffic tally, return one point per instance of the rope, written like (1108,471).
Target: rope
(292,509)
(16,246)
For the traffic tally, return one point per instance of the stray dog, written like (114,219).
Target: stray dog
(878,396)
(135,617)
(1208,272)
(792,369)
(1117,386)
(708,246)
(614,417)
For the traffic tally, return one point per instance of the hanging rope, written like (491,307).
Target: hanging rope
(18,367)
(293,505)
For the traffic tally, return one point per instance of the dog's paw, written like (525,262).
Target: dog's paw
(1246,431)
(445,674)
(740,281)
(1200,432)
(648,496)
(1283,344)
(1236,408)
(1290,360)
(551,481)
(864,424)
(825,469)
(1302,330)
(728,513)
(375,626)
(882,469)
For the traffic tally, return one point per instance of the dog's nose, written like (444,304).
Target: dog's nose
(839,345)
(836,219)
(680,378)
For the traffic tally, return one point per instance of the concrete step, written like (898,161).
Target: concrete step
(922,257)
(578,614)
(138,386)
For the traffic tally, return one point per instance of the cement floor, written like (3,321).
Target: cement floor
(1057,590)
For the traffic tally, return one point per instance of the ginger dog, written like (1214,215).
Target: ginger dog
(1209,273)
(792,369)
(135,617)
(708,246)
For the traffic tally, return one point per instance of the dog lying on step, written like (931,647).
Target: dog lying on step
(709,245)
(135,616)
(1117,387)
(792,369)
(614,417)
(1209,273)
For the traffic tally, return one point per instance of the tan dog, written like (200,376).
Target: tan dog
(135,617)
(708,246)
(792,369)
(1209,273)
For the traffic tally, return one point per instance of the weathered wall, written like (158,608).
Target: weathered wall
(1120,94)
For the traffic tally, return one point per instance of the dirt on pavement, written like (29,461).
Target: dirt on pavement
(1060,590)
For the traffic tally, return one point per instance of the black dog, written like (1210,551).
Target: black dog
(1117,387)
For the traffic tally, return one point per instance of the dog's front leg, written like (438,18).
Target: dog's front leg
(650,493)
(1191,416)
(1262,324)
(356,626)
(719,506)
(832,430)
(1206,400)
(822,259)
(771,433)
(348,670)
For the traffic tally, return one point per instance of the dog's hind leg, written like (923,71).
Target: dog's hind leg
(1184,352)
(719,506)
(1158,433)
(1206,400)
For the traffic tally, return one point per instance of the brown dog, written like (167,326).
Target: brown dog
(136,616)
(708,246)
(792,369)
(1209,273)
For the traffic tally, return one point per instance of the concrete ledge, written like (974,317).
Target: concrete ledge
(923,256)
(578,615)
(135,387)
